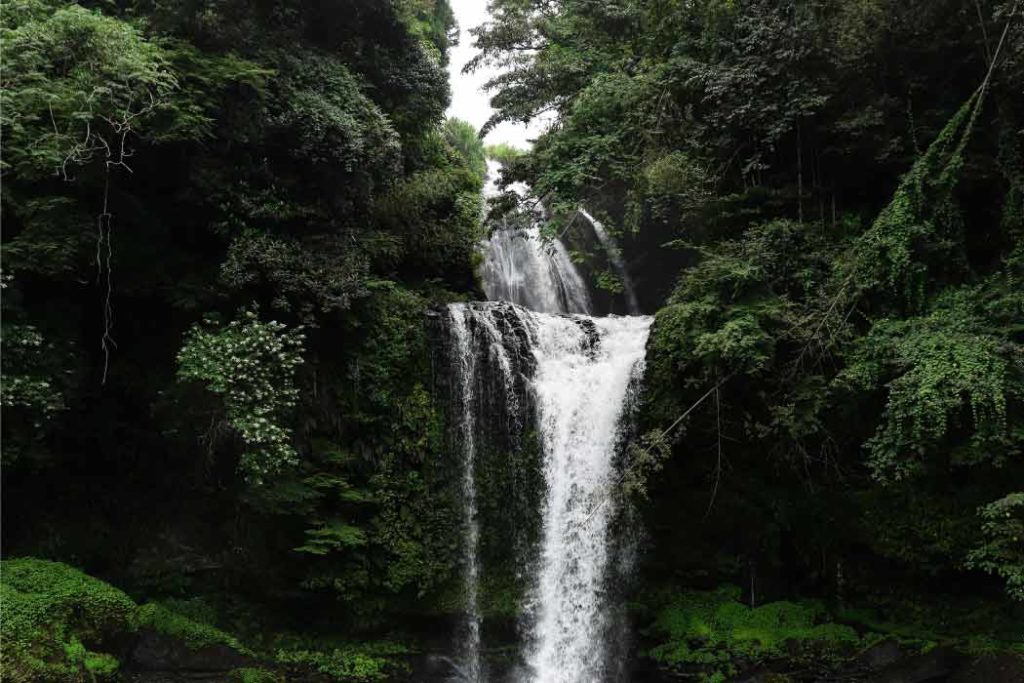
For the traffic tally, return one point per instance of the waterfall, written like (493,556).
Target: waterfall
(464,361)
(615,256)
(577,371)
(532,353)
(490,361)
(540,391)
(584,369)
(520,268)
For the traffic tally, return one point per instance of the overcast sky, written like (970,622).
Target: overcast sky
(469,101)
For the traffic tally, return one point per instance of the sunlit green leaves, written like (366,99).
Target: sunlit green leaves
(465,139)
(76,83)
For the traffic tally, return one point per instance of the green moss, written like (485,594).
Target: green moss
(501,596)
(713,631)
(50,611)
(97,664)
(254,675)
(356,662)
(195,635)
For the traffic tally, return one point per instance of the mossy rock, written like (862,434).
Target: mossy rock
(57,622)
(712,634)
(60,625)
(194,634)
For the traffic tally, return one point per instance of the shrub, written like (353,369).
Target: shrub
(50,611)
(251,365)
(194,634)
(713,630)
(357,662)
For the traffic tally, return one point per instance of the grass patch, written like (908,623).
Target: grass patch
(255,675)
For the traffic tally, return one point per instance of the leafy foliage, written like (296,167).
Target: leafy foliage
(255,675)
(504,153)
(308,277)
(715,631)
(31,391)
(359,662)
(950,371)
(920,225)
(251,364)
(464,138)
(77,83)
(48,610)
(193,634)
(1001,553)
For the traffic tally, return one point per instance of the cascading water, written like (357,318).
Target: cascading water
(611,248)
(464,361)
(584,369)
(490,360)
(522,268)
(533,354)
(576,372)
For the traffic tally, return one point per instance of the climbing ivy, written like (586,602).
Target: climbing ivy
(951,371)
(919,231)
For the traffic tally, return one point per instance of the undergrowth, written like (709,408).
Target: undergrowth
(713,634)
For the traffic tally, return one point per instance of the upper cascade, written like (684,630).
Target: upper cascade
(521,267)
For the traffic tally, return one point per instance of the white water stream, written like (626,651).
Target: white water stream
(464,366)
(581,393)
(576,371)
(579,380)
(520,268)
(580,376)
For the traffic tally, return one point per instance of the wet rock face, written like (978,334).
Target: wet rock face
(591,337)
(488,363)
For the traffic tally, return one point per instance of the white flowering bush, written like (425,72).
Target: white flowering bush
(26,382)
(251,365)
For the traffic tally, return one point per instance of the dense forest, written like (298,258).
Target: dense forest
(230,234)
